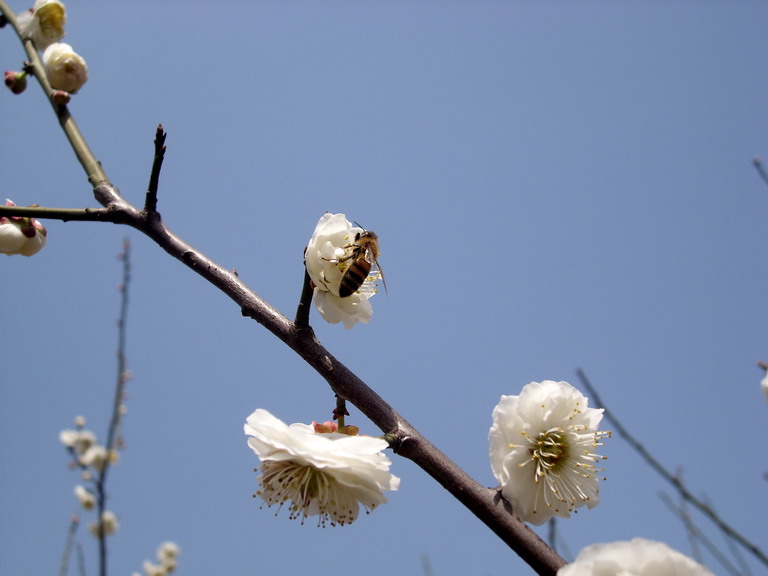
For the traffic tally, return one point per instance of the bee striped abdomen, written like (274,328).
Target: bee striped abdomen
(354,276)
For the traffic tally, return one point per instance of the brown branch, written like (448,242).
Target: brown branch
(485,503)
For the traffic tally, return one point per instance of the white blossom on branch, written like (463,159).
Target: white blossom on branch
(542,451)
(328,257)
(43,23)
(329,475)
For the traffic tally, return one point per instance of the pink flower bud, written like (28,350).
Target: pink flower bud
(60,97)
(16,81)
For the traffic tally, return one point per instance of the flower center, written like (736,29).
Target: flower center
(550,450)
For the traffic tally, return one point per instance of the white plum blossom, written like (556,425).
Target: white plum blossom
(168,552)
(85,497)
(638,557)
(322,474)
(331,242)
(151,569)
(542,450)
(168,556)
(43,23)
(66,70)
(79,440)
(21,235)
(109,521)
(95,457)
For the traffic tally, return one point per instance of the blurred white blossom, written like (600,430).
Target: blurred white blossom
(43,23)
(637,557)
(331,241)
(85,497)
(542,450)
(325,474)
(764,385)
(79,440)
(66,70)
(109,520)
(95,457)
(151,569)
(21,235)
(168,556)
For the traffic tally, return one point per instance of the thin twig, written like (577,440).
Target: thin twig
(305,301)
(734,549)
(81,560)
(63,214)
(697,536)
(757,161)
(117,404)
(150,204)
(667,475)
(71,533)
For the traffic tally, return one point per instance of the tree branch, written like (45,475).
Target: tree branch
(485,503)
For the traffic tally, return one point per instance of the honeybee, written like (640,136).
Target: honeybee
(364,253)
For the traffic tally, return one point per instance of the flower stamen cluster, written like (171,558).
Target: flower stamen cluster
(561,470)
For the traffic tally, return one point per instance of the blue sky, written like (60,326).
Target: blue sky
(556,185)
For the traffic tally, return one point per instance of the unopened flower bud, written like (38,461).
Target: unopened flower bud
(66,70)
(21,235)
(16,81)
(325,427)
(60,97)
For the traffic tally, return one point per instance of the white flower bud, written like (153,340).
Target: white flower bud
(21,235)
(66,70)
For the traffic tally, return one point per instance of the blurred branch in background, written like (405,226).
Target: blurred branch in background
(72,544)
(758,163)
(673,479)
(114,437)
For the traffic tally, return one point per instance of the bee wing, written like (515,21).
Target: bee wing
(370,255)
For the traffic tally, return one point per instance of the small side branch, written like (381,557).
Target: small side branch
(70,545)
(305,302)
(63,214)
(757,161)
(150,204)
